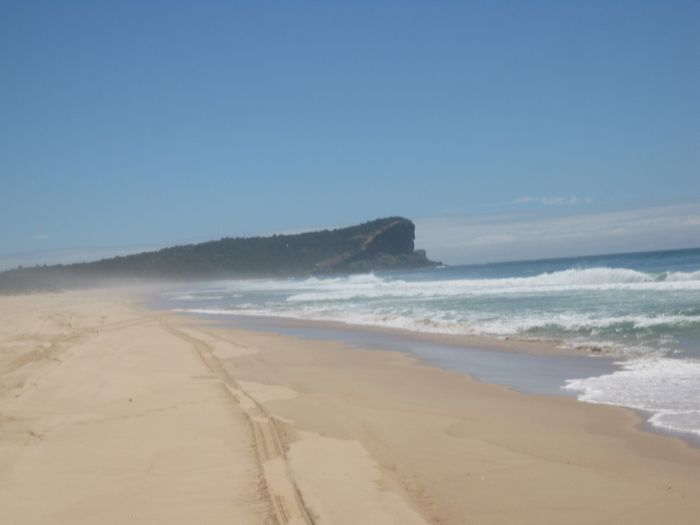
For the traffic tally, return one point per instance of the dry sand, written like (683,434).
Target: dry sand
(110,413)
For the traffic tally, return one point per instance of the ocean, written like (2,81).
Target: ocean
(641,309)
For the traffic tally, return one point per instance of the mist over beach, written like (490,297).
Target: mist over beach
(350,263)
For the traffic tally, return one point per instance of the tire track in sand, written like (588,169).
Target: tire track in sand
(282,492)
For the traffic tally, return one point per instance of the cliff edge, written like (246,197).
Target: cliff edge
(388,246)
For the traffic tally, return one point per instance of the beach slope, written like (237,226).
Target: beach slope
(111,413)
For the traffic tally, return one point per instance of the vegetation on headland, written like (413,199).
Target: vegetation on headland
(382,244)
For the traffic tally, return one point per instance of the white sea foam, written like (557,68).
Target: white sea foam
(426,321)
(368,286)
(667,388)
(683,276)
(310,283)
(590,279)
(369,299)
(353,300)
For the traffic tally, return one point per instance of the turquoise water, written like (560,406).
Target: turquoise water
(643,308)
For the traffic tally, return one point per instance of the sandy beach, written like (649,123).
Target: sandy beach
(113,413)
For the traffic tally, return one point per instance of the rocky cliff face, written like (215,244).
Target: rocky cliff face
(389,246)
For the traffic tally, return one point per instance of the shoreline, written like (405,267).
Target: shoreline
(338,434)
(333,332)
(407,341)
(618,422)
(514,344)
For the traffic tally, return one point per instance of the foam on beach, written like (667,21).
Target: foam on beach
(669,389)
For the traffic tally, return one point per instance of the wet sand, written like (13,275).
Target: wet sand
(111,413)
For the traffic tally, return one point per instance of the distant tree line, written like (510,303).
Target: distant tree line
(379,244)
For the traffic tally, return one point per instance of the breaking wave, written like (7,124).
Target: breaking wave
(591,279)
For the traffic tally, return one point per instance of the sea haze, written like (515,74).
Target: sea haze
(643,308)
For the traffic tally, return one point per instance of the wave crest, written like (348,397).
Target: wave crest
(573,279)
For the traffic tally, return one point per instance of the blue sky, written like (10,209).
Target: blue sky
(133,125)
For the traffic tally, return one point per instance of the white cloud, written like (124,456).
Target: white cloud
(492,238)
(41,236)
(573,200)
